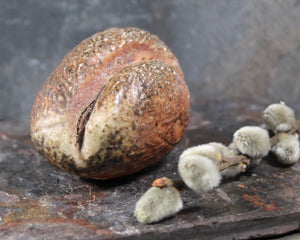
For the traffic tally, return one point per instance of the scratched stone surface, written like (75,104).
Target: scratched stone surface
(38,201)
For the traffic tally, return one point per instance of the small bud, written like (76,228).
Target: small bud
(158,203)
(252,141)
(198,172)
(286,149)
(278,117)
(162,182)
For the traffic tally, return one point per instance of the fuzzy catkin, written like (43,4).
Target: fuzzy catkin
(278,117)
(286,150)
(199,173)
(252,141)
(223,150)
(206,150)
(157,204)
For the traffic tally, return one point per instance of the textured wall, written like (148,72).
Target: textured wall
(228,49)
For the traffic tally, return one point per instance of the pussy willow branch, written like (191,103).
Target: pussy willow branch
(242,159)
(223,164)
(239,159)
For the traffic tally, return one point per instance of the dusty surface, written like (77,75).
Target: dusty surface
(38,201)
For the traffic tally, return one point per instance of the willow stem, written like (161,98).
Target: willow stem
(238,160)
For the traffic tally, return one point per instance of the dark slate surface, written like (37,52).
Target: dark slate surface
(38,201)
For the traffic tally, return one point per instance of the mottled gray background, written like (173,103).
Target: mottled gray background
(228,50)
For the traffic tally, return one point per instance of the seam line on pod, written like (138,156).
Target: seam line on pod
(83,119)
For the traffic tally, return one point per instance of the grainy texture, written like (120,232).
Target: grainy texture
(117,103)
(38,201)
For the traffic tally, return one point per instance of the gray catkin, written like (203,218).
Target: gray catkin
(286,150)
(157,204)
(278,117)
(252,141)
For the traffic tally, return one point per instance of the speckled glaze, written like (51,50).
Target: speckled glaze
(118,102)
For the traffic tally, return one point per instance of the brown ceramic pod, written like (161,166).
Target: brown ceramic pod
(117,103)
